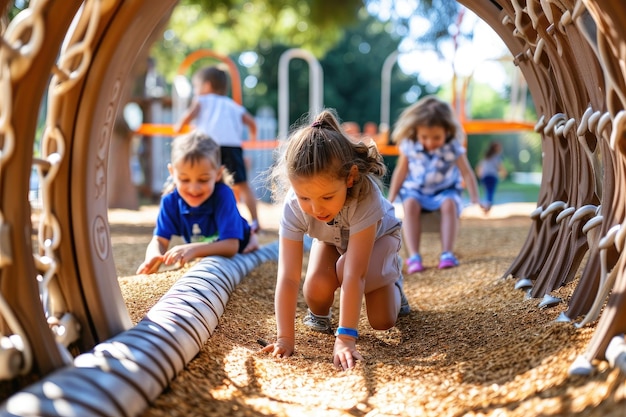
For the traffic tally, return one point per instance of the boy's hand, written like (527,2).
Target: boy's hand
(150,266)
(253,244)
(345,354)
(179,254)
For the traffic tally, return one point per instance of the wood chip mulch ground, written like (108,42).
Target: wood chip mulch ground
(472,346)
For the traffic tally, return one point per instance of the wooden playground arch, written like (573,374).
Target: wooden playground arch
(569,51)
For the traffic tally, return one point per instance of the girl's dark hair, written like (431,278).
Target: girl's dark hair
(321,147)
(493,149)
(191,148)
(429,111)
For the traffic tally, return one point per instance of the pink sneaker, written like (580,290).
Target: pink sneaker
(447,260)
(414,264)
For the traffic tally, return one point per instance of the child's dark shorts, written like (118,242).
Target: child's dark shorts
(246,239)
(232,159)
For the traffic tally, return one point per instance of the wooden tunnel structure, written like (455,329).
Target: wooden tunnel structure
(63,320)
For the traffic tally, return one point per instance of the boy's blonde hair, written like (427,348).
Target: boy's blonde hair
(193,147)
(429,111)
(321,147)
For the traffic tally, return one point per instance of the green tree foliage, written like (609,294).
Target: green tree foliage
(231,26)
(351,56)
(354,65)
(352,75)
(436,24)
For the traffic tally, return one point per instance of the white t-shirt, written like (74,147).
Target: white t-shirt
(490,167)
(221,118)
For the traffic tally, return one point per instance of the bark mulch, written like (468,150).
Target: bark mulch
(472,346)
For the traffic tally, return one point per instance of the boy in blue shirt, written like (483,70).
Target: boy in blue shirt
(199,206)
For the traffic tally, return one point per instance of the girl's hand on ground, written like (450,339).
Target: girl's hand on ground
(345,354)
(150,266)
(281,348)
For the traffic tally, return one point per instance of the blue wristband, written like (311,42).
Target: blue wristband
(346,331)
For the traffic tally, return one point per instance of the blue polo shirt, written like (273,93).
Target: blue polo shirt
(216,219)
